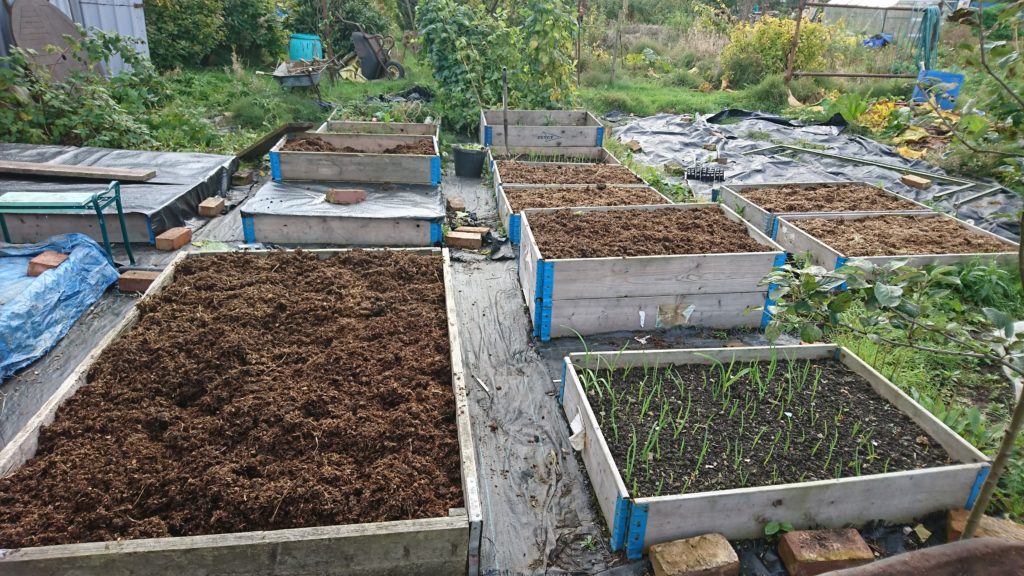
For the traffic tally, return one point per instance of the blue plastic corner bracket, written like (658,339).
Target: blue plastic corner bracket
(976,488)
(766,315)
(600,136)
(435,233)
(514,223)
(620,521)
(488,135)
(547,271)
(275,166)
(435,170)
(565,374)
(714,194)
(249,228)
(637,531)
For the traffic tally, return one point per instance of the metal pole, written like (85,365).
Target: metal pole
(798,74)
(791,59)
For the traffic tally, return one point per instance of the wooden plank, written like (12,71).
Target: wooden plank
(742,513)
(285,229)
(540,129)
(355,127)
(410,547)
(955,446)
(365,143)
(345,167)
(603,315)
(579,154)
(800,243)
(627,358)
(529,257)
(519,118)
(597,458)
(26,228)
(53,170)
(264,144)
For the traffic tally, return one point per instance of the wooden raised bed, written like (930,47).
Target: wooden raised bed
(797,241)
(511,217)
(547,154)
(370,166)
(732,195)
(541,129)
(598,295)
(442,545)
(390,128)
(636,523)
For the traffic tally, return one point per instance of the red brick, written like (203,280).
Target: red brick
(211,207)
(464,240)
(173,239)
(346,195)
(136,280)
(456,204)
(812,552)
(974,557)
(45,261)
(243,178)
(705,555)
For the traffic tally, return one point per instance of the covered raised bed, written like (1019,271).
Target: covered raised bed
(603,269)
(761,204)
(514,198)
(540,129)
(361,158)
(679,443)
(931,238)
(261,413)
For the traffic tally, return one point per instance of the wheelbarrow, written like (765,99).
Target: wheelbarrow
(301,74)
(374,53)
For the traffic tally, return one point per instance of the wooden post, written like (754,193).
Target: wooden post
(796,40)
(618,36)
(579,38)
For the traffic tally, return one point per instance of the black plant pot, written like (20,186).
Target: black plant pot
(469,163)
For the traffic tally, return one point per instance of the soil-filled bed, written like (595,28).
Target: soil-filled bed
(514,172)
(596,195)
(255,393)
(715,437)
(615,233)
(899,236)
(826,198)
(423,146)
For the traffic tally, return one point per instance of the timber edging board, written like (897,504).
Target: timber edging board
(365,167)
(339,230)
(400,128)
(448,545)
(54,170)
(584,296)
(731,195)
(637,523)
(540,129)
(789,235)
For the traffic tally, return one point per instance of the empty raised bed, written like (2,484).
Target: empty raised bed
(357,127)
(930,238)
(374,158)
(603,269)
(258,413)
(761,204)
(514,198)
(679,443)
(540,129)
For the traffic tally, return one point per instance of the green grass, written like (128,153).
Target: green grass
(646,98)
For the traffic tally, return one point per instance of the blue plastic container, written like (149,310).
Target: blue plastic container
(305,47)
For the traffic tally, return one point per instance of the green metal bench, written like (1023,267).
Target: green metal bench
(68,203)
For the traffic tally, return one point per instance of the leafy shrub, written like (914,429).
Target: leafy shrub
(768,95)
(183,32)
(85,109)
(261,109)
(805,89)
(252,31)
(306,18)
(550,28)
(760,49)
(685,79)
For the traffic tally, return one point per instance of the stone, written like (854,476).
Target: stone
(345,195)
(705,555)
(915,181)
(243,178)
(812,552)
(464,240)
(173,239)
(956,521)
(136,280)
(634,146)
(456,204)
(46,261)
(211,207)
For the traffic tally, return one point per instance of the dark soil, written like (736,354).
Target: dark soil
(597,195)
(826,198)
(419,147)
(899,236)
(513,172)
(255,394)
(842,409)
(614,233)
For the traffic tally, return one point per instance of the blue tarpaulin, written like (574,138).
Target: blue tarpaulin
(35,313)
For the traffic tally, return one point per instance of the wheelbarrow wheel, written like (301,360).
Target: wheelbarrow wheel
(393,70)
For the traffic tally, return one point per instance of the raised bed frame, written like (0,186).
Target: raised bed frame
(513,220)
(637,523)
(448,545)
(541,129)
(797,241)
(730,195)
(586,296)
(388,128)
(498,182)
(579,155)
(356,167)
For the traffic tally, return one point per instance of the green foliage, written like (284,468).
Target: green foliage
(183,32)
(768,95)
(756,50)
(549,27)
(252,32)
(85,109)
(850,105)
(305,18)
(774,530)
(685,79)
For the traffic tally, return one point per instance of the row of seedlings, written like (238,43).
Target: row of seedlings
(833,222)
(351,183)
(679,443)
(284,412)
